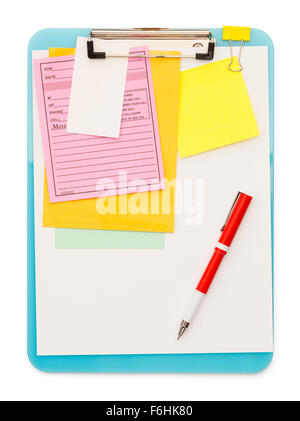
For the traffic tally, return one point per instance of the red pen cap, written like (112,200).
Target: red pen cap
(235,217)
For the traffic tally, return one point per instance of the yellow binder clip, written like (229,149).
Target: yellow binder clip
(236,33)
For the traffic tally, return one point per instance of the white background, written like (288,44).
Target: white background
(20,20)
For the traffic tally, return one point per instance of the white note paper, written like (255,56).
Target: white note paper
(132,301)
(98,90)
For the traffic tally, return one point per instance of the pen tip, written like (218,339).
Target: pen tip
(182,329)
(180,333)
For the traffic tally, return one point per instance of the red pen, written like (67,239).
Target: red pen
(236,214)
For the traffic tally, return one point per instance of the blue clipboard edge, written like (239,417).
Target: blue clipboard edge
(159,363)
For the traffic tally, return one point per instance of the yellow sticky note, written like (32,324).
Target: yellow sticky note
(157,207)
(215,109)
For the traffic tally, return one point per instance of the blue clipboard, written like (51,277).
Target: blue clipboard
(159,363)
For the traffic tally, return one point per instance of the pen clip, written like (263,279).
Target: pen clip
(231,209)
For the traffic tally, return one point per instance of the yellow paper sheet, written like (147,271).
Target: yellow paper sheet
(215,109)
(84,214)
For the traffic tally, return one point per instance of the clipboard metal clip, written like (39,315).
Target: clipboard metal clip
(151,33)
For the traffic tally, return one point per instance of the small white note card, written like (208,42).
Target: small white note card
(97,91)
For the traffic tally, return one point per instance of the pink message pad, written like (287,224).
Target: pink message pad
(82,166)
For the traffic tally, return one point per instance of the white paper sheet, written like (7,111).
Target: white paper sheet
(97,91)
(114,302)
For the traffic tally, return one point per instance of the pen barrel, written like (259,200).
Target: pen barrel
(210,271)
(235,219)
(193,306)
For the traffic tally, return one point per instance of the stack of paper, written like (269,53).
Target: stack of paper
(82,285)
(109,130)
(80,166)
(84,214)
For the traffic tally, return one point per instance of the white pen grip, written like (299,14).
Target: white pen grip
(192,308)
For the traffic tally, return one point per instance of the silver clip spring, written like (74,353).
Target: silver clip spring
(239,58)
